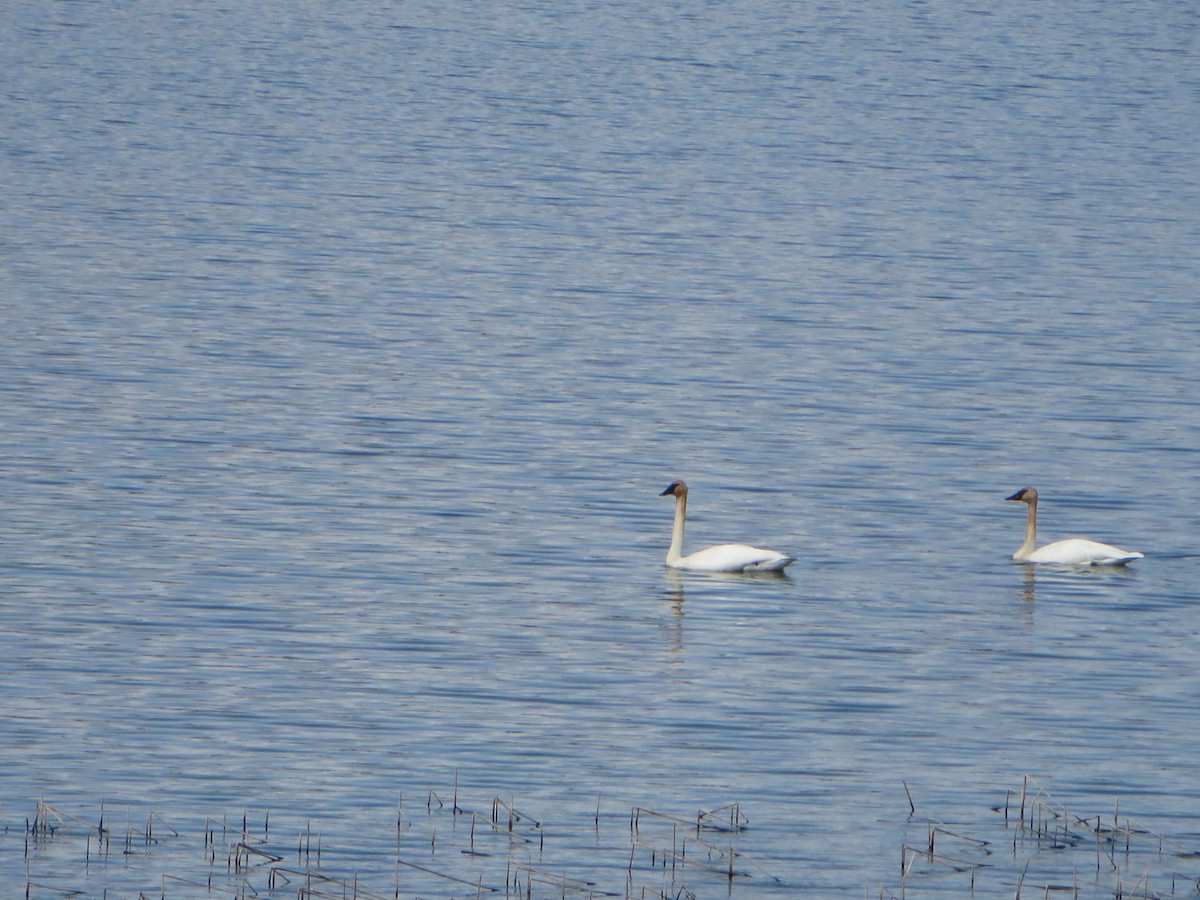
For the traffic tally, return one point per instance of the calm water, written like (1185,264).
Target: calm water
(346,350)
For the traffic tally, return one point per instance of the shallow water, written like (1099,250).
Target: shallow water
(345,355)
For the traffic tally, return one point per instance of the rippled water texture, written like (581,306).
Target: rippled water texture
(346,350)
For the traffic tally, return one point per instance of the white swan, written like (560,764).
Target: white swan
(722,557)
(1070,552)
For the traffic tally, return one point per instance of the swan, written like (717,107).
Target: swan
(722,557)
(1070,552)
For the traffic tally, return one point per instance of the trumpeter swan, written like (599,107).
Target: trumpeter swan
(1070,552)
(722,557)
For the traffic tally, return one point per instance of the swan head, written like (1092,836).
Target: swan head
(1025,495)
(675,489)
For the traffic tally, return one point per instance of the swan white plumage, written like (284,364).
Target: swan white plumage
(719,558)
(1069,552)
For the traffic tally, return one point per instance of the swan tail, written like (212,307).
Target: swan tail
(772,565)
(1128,557)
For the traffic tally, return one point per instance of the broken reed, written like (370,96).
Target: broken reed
(1049,821)
(48,822)
(910,855)
(716,859)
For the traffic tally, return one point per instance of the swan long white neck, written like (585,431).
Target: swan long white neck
(1030,543)
(675,552)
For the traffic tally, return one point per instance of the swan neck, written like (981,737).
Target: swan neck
(675,552)
(1030,533)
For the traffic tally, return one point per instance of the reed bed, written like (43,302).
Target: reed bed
(441,848)
(1045,850)
(1029,845)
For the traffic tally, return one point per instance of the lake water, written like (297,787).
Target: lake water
(347,348)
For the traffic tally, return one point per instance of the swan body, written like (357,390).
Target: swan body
(1069,552)
(721,557)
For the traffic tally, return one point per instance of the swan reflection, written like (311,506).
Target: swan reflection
(675,592)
